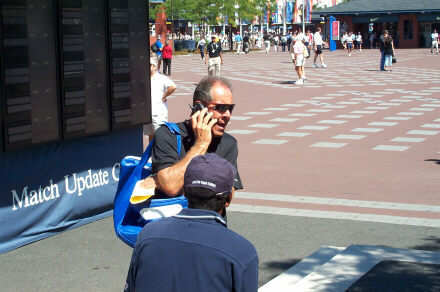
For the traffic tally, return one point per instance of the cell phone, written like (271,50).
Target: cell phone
(197,107)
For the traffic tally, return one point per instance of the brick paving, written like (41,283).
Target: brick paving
(350,133)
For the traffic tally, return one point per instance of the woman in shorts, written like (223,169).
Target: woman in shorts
(359,42)
(298,59)
(349,42)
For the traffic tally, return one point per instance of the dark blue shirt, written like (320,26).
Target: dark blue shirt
(192,251)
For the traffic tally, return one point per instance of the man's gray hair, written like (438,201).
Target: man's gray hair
(203,89)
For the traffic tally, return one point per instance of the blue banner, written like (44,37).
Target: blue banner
(289,11)
(52,188)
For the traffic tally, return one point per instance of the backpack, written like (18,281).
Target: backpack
(306,52)
(154,48)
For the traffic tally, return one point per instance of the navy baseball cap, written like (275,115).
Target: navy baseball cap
(210,171)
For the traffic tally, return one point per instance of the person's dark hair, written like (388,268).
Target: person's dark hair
(202,92)
(389,39)
(213,204)
(386,32)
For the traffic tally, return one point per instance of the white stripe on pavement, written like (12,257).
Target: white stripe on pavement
(336,215)
(337,202)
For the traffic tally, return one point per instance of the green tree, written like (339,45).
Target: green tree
(213,12)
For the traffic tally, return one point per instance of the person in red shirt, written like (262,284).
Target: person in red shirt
(167,54)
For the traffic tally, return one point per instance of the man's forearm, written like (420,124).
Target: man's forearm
(170,179)
(169,91)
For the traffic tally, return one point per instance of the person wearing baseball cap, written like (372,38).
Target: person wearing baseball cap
(194,250)
(159,52)
(214,58)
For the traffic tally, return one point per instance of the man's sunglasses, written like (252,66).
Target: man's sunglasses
(222,108)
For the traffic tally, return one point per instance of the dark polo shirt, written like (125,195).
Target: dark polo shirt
(214,49)
(192,251)
(164,152)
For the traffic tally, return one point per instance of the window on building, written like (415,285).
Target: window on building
(408,29)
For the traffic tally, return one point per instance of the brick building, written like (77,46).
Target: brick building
(410,22)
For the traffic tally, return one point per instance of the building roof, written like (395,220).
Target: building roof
(381,6)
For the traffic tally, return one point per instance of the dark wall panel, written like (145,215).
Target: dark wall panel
(16,98)
(95,67)
(139,58)
(71,68)
(42,70)
(71,59)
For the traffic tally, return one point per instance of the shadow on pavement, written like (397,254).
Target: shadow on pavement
(399,276)
(432,244)
(282,266)
(273,269)
(437,161)
(285,82)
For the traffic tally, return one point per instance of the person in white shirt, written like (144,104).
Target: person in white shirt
(349,41)
(201,46)
(434,44)
(298,59)
(359,42)
(318,44)
(344,40)
(276,40)
(161,88)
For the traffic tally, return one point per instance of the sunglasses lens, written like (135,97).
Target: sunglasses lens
(224,107)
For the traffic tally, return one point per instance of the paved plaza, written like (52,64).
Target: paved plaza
(349,161)
(353,143)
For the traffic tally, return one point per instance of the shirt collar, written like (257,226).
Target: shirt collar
(200,214)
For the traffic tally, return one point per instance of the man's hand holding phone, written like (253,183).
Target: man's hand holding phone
(202,123)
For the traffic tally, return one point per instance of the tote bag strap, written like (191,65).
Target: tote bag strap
(174,129)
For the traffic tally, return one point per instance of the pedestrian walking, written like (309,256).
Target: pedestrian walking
(283,43)
(318,44)
(214,58)
(389,52)
(344,40)
(349,42)
(298,59)
(289,41)
(159,48)
(167,55)
(359,42)
(308,39)
(266,39)
(382,49)
(201,46)
(276,41)
(238,42)
(434,41)
(372,41)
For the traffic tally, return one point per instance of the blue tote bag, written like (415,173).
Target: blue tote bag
(128,216)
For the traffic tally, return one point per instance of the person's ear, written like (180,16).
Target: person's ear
(228,201)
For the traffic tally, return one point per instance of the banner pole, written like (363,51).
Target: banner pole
(303,24)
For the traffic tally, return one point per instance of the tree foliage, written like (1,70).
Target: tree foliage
(214,12)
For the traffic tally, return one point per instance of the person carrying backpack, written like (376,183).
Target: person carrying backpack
(157,48)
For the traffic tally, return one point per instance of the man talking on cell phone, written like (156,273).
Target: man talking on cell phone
(203,133)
